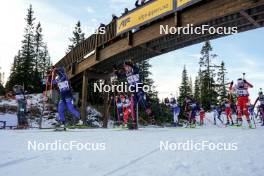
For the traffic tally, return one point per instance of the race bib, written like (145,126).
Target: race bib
(20,97)
(133,79)
(261,101)
(227,105)
(242,92)
(64,85)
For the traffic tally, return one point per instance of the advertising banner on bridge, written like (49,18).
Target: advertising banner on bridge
(144,14)
(181,4)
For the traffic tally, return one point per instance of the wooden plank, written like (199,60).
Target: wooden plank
(84,95)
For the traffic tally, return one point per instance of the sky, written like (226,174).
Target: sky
(241,52)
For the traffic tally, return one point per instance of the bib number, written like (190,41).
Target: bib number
(19,97)
(133,79)
(242,92)
(64,85)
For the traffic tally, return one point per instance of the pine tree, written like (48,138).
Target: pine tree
(191,85)
(185,88)
(2,89)
(38,46)
(27,67)
(207,74)
(144,74)
(45,60)
(78,37)
(28,54)
(222,81)
(42,58)
(197,91)
(15,77)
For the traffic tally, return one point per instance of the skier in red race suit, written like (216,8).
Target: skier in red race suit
(241,90)
(202,116)
(131,72)
(228,111)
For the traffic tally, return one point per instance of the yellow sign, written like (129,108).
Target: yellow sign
(144,14)
(182,2)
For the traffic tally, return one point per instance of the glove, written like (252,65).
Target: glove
(115,69)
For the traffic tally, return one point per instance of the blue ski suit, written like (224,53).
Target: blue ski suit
(65,95)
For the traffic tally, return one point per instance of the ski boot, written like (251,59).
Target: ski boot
(193,125)
(232,123)
(239,123)
(80,123)
(60,126)
(250,126)
(262,124)
(124,126)
(227,123)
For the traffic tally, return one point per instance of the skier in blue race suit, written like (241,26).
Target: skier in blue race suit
(261,106)
(217,111)
(131,73)
(191,108)
(194,110)
(65,96)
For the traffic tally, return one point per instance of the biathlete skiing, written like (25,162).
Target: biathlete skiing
(175,109)
(261,106)
(191,109)
(217,112)
(66,98)
(22,106)
(228,111)
(202,116)
(131,72)
(241,90)
(123,109)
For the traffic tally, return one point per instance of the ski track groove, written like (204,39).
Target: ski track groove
(131,162)
(18,161)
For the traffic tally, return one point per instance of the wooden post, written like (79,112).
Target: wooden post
(177,17)
(106,106)
(130,38)
(84,96)
(96,47)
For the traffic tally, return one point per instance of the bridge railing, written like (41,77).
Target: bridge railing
(88,45)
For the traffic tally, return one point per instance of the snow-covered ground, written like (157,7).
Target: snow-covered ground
(133,153)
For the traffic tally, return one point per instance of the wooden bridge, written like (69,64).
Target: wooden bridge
(137,36)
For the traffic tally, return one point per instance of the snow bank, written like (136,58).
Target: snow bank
(93,117)
(11,119)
